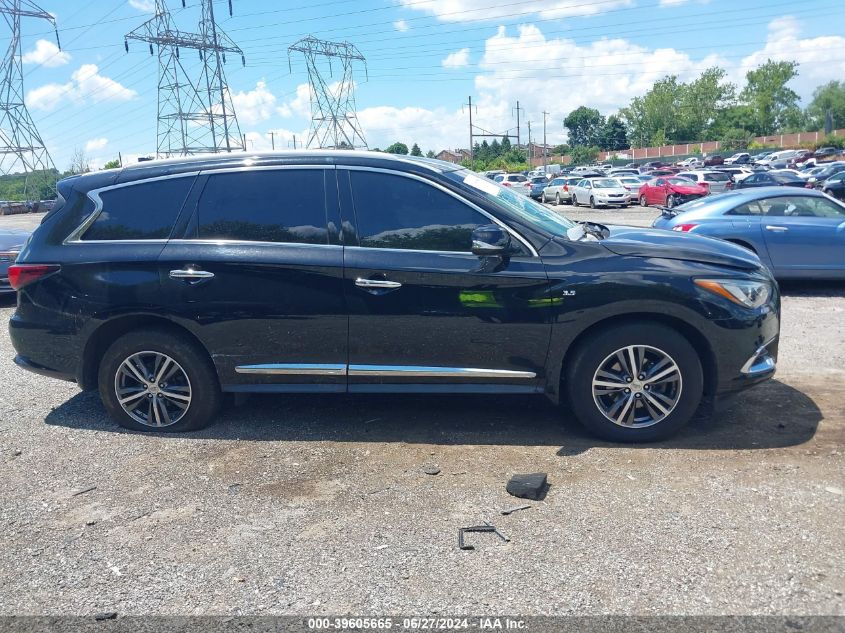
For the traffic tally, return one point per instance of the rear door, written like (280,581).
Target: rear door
(257,276)
(425,313)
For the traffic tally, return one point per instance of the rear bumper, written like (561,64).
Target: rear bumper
(35,368)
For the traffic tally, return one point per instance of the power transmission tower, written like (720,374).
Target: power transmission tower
(21,146)
(193,116)
(334,122)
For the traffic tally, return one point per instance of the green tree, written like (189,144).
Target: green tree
(775,105)
(584,125)
(397,148)
(495,148)
(560,149)
(484,153)
(613,135)
(653,118)
(416,151)
(505,145)
(700,103)
(829,98)
(581,155)
(112,164)
(737,117)
(430,154)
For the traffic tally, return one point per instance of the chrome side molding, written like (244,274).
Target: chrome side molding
(398,371)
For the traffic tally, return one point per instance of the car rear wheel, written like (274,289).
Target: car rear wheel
(643,201)
(155,380)
(574,200)
(639,382)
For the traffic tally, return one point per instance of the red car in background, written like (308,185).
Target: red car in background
(670,192)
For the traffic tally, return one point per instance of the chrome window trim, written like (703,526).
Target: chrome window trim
(417,371)
(75,236)
(231,170)
(183,240)
(436,185)
(293,369)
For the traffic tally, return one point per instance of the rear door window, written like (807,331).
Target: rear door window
(272,205)
(140,211)
(399,212)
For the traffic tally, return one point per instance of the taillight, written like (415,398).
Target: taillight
(21,275)
(506,184)
(683,228)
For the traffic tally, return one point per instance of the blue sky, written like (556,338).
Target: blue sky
(424,57)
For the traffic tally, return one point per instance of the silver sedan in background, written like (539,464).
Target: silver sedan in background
(558,190)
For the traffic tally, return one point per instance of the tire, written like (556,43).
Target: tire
(592,202)
(670,201)
(191,374)
(543,198)
(574,200)
(643,201)
(557,199)
(682,388)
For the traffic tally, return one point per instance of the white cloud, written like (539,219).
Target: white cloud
(300,105)
(431,129)
(147,6)
(481,10)
(256,105)
(458,59)
(783,43)
(96,144)
(401,26)
(86,85)
(46,54)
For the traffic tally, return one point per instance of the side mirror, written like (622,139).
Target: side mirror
(490,239)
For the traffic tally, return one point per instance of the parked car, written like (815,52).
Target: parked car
(649,166)
(826,152)
(834,186)
(670,191)
(517,182)
(599,192)
(538,184)
(829,170)
(803,157)
(735,173)
(586,172)
(170,283)
(492,173)
(623,171)
(762,156)
(796,232)
(769,179)
(774,157)
(715,159)
(632,185)
(558,190)
(663,171)
(690,162)
(740,158)
(11,243)
(716,181)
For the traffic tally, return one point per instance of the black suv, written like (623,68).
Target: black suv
(168,283)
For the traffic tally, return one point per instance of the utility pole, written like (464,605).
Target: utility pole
(468,104)
(518,109)
(545,153)
(272,141)
(530,146)
(334,121)
(21,146)
(193,117)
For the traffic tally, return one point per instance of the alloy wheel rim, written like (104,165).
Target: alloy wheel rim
(637,386)
(153,389)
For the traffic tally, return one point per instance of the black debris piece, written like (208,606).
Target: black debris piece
(531,486)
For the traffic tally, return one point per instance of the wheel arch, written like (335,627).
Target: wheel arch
(693,336)
(106,333)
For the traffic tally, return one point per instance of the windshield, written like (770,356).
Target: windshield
(521,205)
(605,183)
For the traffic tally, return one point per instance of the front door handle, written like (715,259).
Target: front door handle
(776,229)
(377,284)
(190,274)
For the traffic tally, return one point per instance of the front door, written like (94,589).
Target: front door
(258,277)
(804,234)
(425,313)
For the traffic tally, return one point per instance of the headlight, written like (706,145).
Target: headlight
(745,292)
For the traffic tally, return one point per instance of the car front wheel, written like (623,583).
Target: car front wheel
(574,200)
(670,201)
(639,382)
(592,202)
(155,380)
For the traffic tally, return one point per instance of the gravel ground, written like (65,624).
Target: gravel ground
(319,505)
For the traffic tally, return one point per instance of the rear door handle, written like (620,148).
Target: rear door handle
(377,284)
(190,274)
(776,229)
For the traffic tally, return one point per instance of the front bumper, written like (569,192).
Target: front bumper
(608,201)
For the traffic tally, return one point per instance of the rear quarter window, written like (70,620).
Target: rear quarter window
(139,211)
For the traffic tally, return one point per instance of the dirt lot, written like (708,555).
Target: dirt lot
(310,505)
